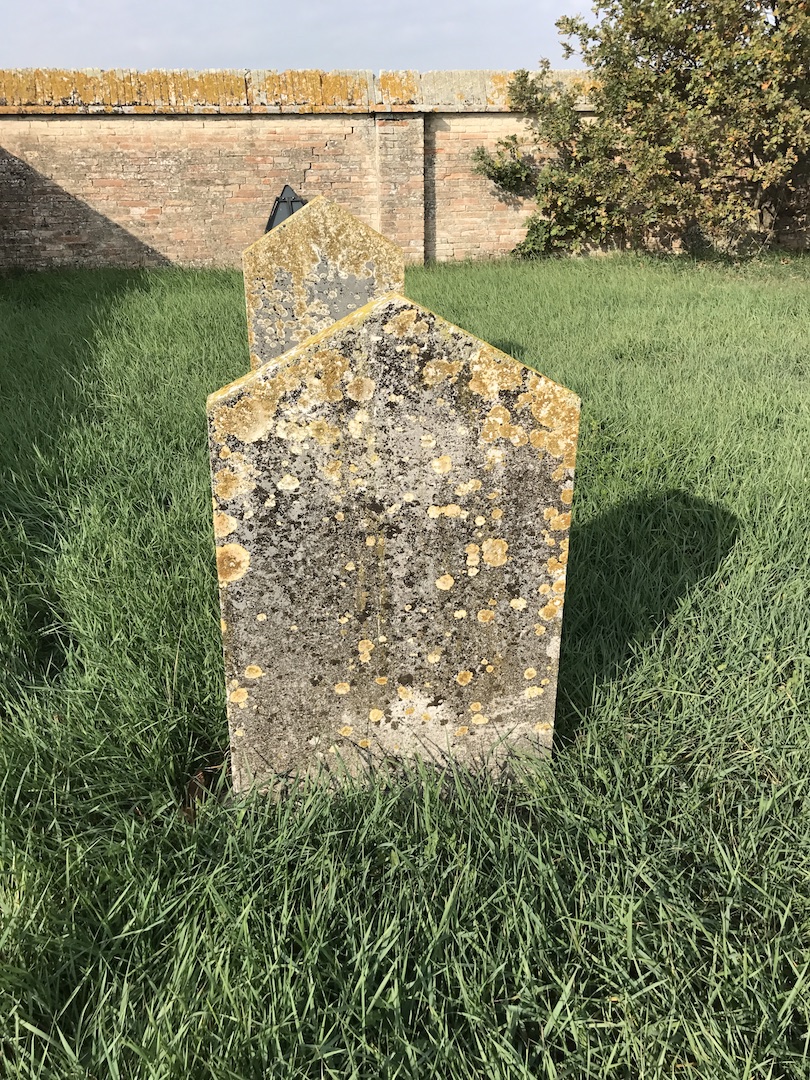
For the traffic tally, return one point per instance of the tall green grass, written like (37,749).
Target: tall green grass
(637,907)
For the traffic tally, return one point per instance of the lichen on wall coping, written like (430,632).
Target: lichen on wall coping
(33,91)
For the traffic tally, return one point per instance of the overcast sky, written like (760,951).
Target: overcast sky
(426,35)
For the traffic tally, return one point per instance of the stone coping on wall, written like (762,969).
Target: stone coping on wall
(32,91)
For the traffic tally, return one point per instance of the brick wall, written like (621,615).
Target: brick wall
(129,169)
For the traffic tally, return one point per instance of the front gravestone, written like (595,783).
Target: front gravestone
(311,270)
(392,504)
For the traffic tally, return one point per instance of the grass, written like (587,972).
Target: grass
(638,907)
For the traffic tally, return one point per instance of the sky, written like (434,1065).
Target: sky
(425,35)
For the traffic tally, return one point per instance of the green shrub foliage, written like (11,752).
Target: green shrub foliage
(698,136)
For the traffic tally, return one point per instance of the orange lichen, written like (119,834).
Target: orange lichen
(224,524)
(253,671)
(227,485)
(361,389)
(233,562)
(451,510)
(436,371)
(464,678)
(494,552)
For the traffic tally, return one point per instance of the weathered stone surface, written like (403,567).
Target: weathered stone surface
(310,271)
(392,502)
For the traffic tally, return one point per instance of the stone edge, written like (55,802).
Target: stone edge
(50,91)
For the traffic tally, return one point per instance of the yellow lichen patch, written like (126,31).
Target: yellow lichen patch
(223,625)
(486,615)
(227,485)
(434,657)
(225,452)
(364,743)
(342,688)
(442,465)
(461,731)
(232,562)
(248,419)
(375,715)
(479,719)
(552,608)
(340,516)
(496,514)
(355,427)
(533,691)
(445,582)
(544,589)
(491,375)
(253,671)
(530,673)
(468,487)
(518,603)
(238,696)
(480,520)
(460,614)
(403,322)
(346,731)
(224,524)
(556,410)
(464,678)
(567,496)
(555,565)
(559,585)
(371,541)
(494,552)
(543,727)
(476,706)
(557,522)
(288,482)
(539,629)
(427,441)
(490,668)
(436,371)
(498,425)
(410,711)
(240,733)
(361,389)
(261,617)
(364,648)
(451,510)
(404,693)
(381,680)
(473,554)
(331,470)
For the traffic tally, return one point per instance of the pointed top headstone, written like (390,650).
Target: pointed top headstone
(392,505)
(312,269)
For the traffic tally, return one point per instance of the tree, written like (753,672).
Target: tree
(699,134)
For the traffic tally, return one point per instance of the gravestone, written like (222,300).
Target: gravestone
(392,503)
(311,270)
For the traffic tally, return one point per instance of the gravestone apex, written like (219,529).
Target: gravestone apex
(311,270)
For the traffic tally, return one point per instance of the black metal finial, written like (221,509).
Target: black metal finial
(284,206)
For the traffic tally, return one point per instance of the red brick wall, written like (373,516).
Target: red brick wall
(122,169)
(466,217)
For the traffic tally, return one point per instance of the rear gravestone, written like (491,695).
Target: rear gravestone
(311,270)
(392,502)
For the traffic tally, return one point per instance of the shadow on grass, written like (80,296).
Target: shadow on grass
(48,325)
(629,568)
